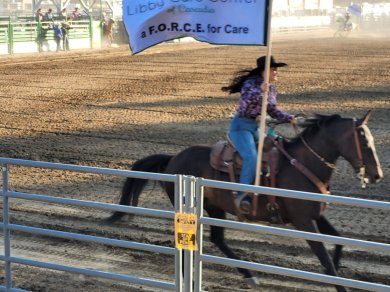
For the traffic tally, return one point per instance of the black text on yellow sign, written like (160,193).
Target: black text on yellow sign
(185,231)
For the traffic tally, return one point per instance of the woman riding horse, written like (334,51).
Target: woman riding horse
(244,128)
(317,148)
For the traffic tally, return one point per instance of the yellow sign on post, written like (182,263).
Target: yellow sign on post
(185,231)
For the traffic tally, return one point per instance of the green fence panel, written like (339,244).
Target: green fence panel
(5,32)
(28,30)
(80,29)
(25,31)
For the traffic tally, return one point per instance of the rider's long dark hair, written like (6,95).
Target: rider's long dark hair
(239,79)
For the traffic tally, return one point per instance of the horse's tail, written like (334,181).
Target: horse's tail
(133,187)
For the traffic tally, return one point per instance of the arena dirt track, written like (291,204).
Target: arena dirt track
(107,108)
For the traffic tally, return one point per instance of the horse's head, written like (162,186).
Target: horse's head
(357,146)
(346,137)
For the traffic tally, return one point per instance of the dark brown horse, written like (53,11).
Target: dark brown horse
(323,140)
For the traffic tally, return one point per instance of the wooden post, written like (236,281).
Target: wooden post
(263,112)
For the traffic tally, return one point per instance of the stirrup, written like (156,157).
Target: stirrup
(243,206)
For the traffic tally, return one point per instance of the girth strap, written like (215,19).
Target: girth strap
(272,161)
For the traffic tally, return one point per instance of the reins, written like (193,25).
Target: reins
(323,160)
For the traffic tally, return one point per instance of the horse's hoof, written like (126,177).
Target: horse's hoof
(253,282)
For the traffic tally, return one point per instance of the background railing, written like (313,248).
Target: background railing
(23,36)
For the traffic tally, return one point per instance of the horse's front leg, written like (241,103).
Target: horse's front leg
(319,249)
(217,237)
(326,228)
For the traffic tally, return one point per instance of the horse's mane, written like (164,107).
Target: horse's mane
(313,124)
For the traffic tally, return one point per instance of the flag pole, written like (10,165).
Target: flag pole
(263,111)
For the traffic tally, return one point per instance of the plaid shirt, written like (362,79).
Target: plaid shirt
(251,101)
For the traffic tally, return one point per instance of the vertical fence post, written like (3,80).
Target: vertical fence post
(90,32)
(10,37)
(101,21)
(178,252)
(38,38)
(189,186)
(199,235)
(6,231)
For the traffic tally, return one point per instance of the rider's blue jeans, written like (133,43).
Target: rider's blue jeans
(244,133)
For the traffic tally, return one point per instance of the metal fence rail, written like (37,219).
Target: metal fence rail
(190,190)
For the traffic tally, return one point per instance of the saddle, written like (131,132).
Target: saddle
(225,158)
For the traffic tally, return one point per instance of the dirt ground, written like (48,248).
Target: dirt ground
(107,108)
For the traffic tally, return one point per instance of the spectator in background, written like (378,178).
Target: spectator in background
(42,39)
(39,15)
(75,14)
(63,16)
(65,36)
(48,15)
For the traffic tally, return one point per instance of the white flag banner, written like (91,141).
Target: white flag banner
(240,22)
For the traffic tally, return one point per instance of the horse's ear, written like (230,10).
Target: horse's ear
(364,120)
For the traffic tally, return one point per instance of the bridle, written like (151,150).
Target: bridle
(362,169)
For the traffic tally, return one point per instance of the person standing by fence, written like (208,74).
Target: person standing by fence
(42,39)
(65,27)
(57,35)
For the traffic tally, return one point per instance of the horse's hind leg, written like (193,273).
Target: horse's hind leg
(319,250)
(326,228)
(217,237)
